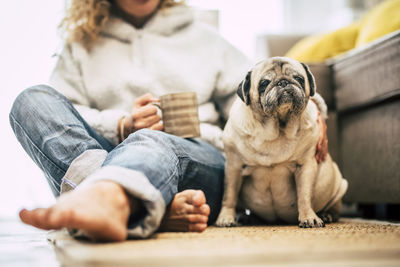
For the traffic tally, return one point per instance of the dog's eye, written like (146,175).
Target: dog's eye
(300,80)
(262,85)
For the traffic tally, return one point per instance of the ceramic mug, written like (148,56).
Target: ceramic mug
(179,112)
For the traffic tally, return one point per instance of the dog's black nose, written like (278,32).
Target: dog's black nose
(283,83)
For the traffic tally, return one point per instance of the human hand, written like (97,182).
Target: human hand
(144,115)
(322,145)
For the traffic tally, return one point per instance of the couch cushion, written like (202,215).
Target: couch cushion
(368,75)
(381,20)
(370,153)
(323,79)
(317,48)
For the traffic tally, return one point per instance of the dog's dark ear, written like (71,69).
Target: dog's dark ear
(311,79)
(243,90)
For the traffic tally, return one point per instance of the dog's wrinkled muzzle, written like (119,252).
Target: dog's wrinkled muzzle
(288,94)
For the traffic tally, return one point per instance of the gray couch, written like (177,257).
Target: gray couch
(362,90)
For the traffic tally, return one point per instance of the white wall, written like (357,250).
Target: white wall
(311,16)
(28,39)
(241,21)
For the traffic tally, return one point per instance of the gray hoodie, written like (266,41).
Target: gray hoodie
(172,53)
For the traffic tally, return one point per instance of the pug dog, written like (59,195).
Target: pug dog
(270,141)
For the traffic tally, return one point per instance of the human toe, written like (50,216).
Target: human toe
(205,209)
(25,216)
(197,227)
(197,218)
(37,217)
(197,198)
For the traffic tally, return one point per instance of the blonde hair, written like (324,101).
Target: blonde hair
(84,19)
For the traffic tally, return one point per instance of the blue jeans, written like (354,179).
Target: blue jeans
(151,165)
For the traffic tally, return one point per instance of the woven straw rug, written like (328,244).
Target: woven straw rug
(350,242)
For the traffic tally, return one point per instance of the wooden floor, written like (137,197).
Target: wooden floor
(23,245)
(350,242)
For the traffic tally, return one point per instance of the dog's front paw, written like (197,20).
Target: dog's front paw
(226,218)
(310,222)
(328,217)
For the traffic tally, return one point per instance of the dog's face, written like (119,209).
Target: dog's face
(277,86)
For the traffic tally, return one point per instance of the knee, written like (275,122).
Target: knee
(157,142)
(147,134)
(36,94)
(32,98)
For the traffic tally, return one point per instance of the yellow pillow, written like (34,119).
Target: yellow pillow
(381,20)
(317,48)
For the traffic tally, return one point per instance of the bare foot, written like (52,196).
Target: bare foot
(188,212)
(101,210)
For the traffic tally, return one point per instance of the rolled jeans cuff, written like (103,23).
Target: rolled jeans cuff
(137,186)
(81,167)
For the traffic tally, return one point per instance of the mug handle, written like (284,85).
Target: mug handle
(158,106)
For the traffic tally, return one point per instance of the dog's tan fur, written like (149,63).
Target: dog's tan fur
(270,164)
